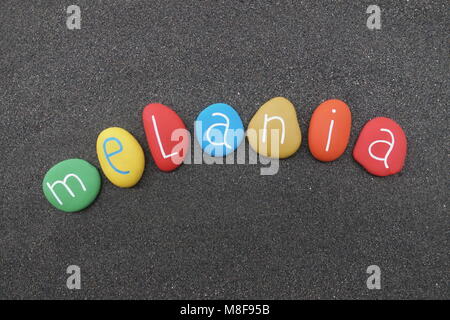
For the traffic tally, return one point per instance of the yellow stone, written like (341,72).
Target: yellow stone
(274,130)
(121,157)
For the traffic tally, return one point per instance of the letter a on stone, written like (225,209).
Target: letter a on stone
(374,20)
(73,21)
(381,147)
(219,129)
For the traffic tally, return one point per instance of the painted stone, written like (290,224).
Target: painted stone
(329,130)
(121,157)
(167,136)
(219,129)
(72,185)
(274,130)
(381,147)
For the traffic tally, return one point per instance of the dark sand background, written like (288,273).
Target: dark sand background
(224,231)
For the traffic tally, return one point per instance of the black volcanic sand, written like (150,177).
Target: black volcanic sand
(224,231)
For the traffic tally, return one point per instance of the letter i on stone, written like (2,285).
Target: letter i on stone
(329,130)
(274,130)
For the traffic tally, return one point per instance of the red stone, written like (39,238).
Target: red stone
(381,147)
(167,136)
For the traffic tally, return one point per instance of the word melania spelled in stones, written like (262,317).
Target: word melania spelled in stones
(273,133)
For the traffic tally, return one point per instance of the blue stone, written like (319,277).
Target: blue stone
(219,129)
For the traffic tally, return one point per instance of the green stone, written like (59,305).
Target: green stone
(72,185)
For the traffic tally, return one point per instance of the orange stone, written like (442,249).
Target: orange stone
(329,130)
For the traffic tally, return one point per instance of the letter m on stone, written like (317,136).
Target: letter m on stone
(64,184)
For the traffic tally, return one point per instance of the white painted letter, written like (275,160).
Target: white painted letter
(64,183)
(330,132)
(389,143)
(224,138)
(163,153)
(268,119)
